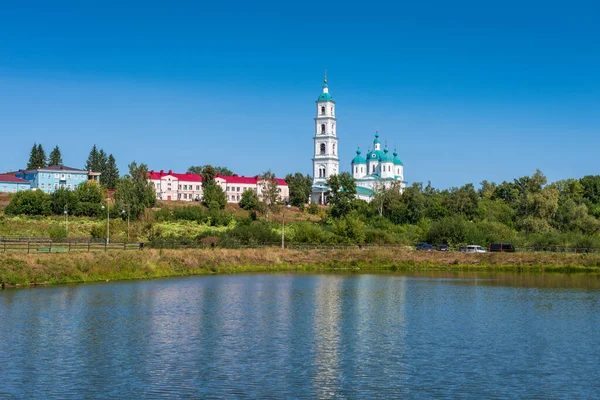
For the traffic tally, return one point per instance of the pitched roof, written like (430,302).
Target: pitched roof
(54,168)
(189,177)
(12,179)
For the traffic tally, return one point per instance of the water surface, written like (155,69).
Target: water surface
(466,335)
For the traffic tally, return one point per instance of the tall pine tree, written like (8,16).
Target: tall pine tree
(92,160)
(111,176)
(32,164)
(55,157)
(102,161)
(41,157)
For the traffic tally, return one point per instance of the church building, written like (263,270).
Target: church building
(378,170)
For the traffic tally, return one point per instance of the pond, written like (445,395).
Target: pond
(418,335)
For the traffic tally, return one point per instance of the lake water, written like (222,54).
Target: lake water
(434,335)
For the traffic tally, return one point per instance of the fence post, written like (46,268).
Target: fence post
(28,247)
(105,243)
(124,245)
(50,248)
(89,242)
(68,251)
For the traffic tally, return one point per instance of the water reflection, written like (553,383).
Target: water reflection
(417,335)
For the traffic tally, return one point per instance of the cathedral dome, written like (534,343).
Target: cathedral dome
(386,158)
(358,159)
(397,161)
(325,97)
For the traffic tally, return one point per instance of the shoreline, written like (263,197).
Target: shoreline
(23,270)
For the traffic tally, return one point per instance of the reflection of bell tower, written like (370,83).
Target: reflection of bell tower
(325,160)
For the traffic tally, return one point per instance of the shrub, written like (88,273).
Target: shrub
(250,233)
(57,233)
(29,202)
(309,233)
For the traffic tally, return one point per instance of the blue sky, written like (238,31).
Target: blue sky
(467,90)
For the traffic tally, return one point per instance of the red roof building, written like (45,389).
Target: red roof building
(188,187)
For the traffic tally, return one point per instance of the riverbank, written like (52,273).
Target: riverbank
(45,269)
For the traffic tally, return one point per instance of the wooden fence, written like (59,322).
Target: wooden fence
(49,246)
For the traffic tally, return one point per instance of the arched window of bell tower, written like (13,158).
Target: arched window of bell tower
(322,148)
(322,109)
(322,128)
(334,149)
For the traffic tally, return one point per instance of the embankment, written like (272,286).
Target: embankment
(42,269)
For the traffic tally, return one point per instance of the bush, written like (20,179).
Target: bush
(57,233)
(250,234)
(349,230)
(250,201)
(308,233)
(313,208)
(29,202)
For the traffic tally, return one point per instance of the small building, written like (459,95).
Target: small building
(54,177)
(188,187)
(12,184)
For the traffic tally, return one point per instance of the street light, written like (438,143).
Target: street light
(66,220)
(107,224)
(123,212)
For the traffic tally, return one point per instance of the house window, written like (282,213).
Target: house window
(228,189)
(361,170)
(238,188)
(55,186)
(197,187)
(56,175)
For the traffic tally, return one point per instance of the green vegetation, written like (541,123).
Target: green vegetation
(527,212)
(37,157)
(23,269)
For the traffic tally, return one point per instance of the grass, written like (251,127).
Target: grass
(69,268)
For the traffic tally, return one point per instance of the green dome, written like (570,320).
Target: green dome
(376,138)
(396,159)
(325,97)
(358,159)
(386,158)
(374,155)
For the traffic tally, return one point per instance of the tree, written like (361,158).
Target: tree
(134,192)
(462,200)
(102,164)
(29,202)
(269,192)
(90,197)
(250,200)
(111,174)
(55,157)
(92,163)
(341,194)
(33,157)
(37,157)
(197,169)
(64,200)
(300,187)
(41,157)
(213,195)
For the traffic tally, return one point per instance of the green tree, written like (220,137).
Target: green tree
(197,169)
(102,165)
(462,200)
(300,187)
(29,202)
(213,195)
(341,194)
(64,200)
(41,157)
(134,192)
(33,157)
(111,174)
(250,201)
(37,157)
(55,157)
(90,196)
(92,163)
(269,192)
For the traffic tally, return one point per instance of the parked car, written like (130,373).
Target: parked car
(443,247)
(424,246)
(502,247)
(472,248)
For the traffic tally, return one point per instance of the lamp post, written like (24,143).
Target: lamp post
(123,212)
(66,220)
(107,224)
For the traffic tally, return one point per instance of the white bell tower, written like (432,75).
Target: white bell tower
(325,161)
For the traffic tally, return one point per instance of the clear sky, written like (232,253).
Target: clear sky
(467,90)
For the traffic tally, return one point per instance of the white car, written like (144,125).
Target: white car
(472,248)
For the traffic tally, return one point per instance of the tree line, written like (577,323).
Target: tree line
(97,161)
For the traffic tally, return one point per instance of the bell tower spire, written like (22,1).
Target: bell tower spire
(325,160)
